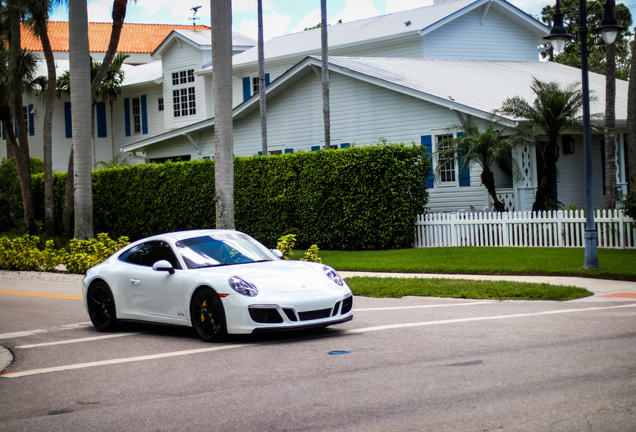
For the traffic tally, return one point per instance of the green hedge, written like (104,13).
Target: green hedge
(356,198)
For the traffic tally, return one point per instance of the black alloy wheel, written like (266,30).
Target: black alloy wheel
(208,316)
(101,307)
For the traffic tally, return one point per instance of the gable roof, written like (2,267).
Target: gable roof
(385,27)
(202,40)
(470,87)
(135,38)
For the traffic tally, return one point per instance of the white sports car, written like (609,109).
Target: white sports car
(219,282)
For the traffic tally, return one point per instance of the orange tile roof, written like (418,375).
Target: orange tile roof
(135,38)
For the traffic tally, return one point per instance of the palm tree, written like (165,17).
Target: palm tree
(222,95)
(325,72)
(81,97)
(554,110)
(39,11)
(17,74)
(483,146)
(261,78)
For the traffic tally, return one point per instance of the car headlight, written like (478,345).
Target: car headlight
(333,275)
(242,286)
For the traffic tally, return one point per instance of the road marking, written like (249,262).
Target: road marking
(462,320)
(423,306)
(33,294)
(118,361)
(48,330)
(70,341)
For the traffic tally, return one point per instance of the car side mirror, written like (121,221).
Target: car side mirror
(163,265)
(278,254)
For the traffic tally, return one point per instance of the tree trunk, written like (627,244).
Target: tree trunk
(261,79)
(223,127)
(610,126)
(545,198)
(69,198)
(49,205)
(81,107)
(93,138)
(119,13)
(631,123)
(325,72)
(24,160)
(488,180)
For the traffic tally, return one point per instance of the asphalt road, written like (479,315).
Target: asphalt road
(411,364)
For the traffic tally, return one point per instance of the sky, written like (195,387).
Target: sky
(279,16)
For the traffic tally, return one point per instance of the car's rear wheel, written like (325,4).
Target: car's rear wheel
(101,307)
(208,315)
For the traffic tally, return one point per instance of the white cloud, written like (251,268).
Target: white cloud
(402,5)
(274,24)
(355,10)
(310,20)
(100,11)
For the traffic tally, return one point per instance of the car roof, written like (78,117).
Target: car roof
(180,235)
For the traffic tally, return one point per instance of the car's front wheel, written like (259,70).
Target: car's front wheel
(208,315)
(101,307)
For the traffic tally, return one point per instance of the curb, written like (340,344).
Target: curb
(5,358)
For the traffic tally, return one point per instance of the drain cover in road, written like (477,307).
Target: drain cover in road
(620,295)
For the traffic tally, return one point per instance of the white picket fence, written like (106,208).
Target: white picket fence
(525,229)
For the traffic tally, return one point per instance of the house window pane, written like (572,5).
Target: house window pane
(160,104)
(447,171)
(191,101)
(176,103)
(255,84)
(175,78)
(136,109)
(191,75)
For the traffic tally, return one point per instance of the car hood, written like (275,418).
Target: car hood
(281,276)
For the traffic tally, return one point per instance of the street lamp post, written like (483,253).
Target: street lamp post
(558,36)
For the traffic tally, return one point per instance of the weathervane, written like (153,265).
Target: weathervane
(194,18)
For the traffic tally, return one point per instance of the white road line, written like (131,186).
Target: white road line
(40,331)
(462,320)
(122,360)
(423,306)
(70,341)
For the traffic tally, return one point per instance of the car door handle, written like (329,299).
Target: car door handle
(135,281)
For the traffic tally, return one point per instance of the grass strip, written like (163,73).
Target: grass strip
(462,288)
(614,263)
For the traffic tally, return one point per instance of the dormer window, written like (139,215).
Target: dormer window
(183,98)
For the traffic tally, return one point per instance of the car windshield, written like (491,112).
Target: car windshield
(219,249)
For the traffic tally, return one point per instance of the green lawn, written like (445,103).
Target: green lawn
(614,264)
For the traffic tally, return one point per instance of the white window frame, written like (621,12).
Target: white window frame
(136,115)
(183,94)
(448,174)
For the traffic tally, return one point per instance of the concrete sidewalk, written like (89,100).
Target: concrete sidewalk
(619,290)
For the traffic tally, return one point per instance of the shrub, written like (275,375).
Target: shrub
(286,245)
(312,254)
(11,211)
(84,254)
(21,253)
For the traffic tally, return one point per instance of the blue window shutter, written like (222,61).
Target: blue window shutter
(603,165)
(127,115)
(427,142)
(315,148)
(260,153)
(345,145)
(289,150)
(464,172)
(144,115)
(101,120)
(266,79)
(68,120)
(247,88)
(31,125)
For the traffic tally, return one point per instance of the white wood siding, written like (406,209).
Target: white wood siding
(497,39)
(571,175)
(155,117)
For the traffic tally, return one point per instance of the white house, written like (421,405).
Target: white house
(402,77)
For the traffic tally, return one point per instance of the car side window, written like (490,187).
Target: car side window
(146,254)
